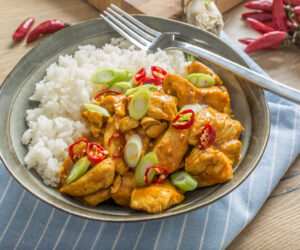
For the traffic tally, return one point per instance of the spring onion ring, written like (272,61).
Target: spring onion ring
(133,150)
(80,167)
(148,160)
(139,103)
(200,80)
(184,181)
(120,87)
(195,107)
(107,75)
(97,109)
(151,87)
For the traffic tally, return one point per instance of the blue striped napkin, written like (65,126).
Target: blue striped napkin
(27,223)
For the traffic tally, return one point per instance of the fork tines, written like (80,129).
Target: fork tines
(129,27)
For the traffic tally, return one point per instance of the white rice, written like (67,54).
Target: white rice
(57,122)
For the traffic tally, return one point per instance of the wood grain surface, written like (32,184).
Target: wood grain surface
(277,225)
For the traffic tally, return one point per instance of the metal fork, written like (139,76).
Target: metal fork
(150,40)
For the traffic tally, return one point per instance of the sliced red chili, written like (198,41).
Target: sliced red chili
(185,124)
(106,92)
(140,74)
(150,80)
(95,152)
(122,147)
(158,72)
(207,137)
(161,177)
(78,149)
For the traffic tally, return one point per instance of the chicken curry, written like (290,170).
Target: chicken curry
(152,142)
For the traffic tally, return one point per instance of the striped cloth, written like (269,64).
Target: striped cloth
(27,223)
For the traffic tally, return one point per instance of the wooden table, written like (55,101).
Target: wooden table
(277,225)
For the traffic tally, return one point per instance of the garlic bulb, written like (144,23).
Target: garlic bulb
(204,14)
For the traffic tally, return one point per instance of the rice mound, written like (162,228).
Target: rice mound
(57,121)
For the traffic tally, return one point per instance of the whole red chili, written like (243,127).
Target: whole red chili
(95,152)
(291,25)
(23,29)
(158,72)
(258,26)
(106,92)
(46,27)
(269,40)
(122,147)
(78,149)
(207,137)
(140,74)
(185,125)
(246,40)
(297,10)
(292,2)
(161,178)
(150,80)
(260,16)
(279,15)
(263,5)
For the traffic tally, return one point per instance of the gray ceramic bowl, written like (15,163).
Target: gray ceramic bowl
(248,104)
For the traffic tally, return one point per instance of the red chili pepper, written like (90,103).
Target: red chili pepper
(150,80)
(246,40)
(269,40)
(207,137)
(279,15)
(187,124)
(260,5)
(161,178)
(259,16)
(76,151)
(140,74)
(258,26)
(23,29)
(122,136)
(293,2)
(158,72)
(106,92)
(95,153)
(46,27)
(291,25)
(297,10)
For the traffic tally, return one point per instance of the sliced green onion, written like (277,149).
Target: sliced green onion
(133,150)
(79,169)
(151,87)
(97,109)
(190,58)
(139,103)
(130,73)
(184,181)
(148,160)
(201,80)
(121,87)
(103,76)
(195,107)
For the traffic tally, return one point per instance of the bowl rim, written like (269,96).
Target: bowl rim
(120,218)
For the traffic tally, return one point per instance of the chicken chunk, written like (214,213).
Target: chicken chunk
(122,188)
(209,166)
(171,147)
(226,127)
(65,169)
(115,145)
(127,123)
(162,106)
(232,149)
(156,198)
(96,198)
(100,176)
(187,93)
(153,127)
(114,104)
(94,118)
(198,67)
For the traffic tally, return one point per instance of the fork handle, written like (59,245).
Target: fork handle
(240,71)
